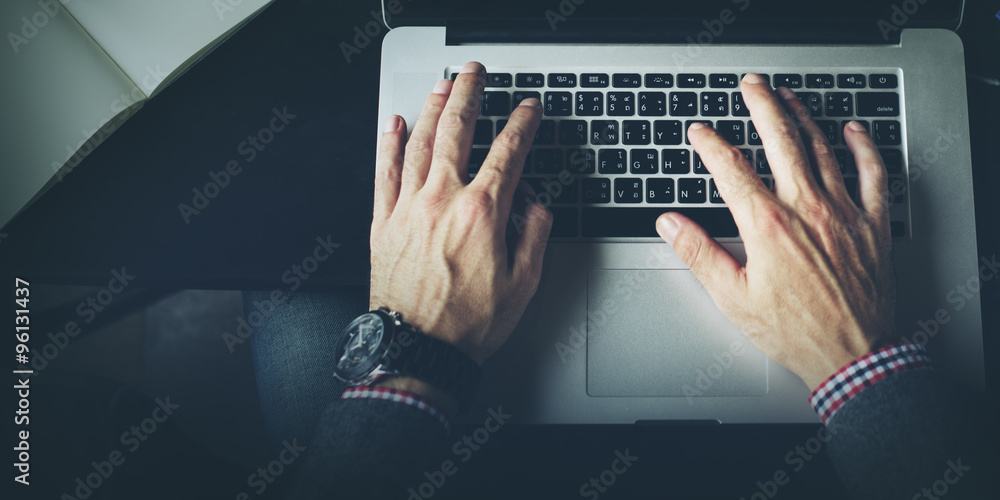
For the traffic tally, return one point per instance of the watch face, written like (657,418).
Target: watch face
(360,348)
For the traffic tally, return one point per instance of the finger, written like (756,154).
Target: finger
(420,146)
(530,248)
(388,169)
(821,154)
(502,168)
(872,178)
(457,125)
(785,152)
(737,182)
(721,275)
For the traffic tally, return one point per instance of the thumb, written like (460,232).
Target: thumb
(714,267)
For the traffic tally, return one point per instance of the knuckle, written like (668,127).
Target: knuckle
(463,117)
(817,210)
(421,144)
(821,148)
(510,140)
(786,129)
(772,220)
(732,156)
(478,203)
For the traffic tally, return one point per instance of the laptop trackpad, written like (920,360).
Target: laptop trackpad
(658,333)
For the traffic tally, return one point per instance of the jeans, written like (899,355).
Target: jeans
(292,348)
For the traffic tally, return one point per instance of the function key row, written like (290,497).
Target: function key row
(688,80)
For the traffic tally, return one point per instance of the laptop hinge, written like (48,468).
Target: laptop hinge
(540,30)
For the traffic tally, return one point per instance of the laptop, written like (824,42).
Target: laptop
(620,331)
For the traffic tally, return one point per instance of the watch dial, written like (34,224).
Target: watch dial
(360,346)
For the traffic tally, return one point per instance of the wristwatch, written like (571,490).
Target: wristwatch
(379,343)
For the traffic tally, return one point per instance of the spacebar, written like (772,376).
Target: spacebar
(641,222)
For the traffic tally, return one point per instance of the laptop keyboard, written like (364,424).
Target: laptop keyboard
(611,152)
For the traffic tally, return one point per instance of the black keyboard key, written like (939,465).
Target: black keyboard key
(753,138)
(659,190)
(562,80)
(882,81)
(829,128)
(877,103)
(897,190)
(675,161)
(558,104)
(713,193)
(636,132)
(547,161)
(843,160)
(589,104)
(690,80)
(521,95)
(723,81)
(763,167)
(765,76)
(476,159)
(559,190)
(626,80)
(604,132)
(739,108)
(500,125)
(667,132)
(495,103)
(621,103)
(453,76)
(498,80)
(851,81)
(732,131)
(893,160)
(659,80)
(839,104)
(683,104)
(483,133)
(699,167)
(596,190)
(565,222)
(851,185)
(529,79)
(652,104)
(687,125)
(612,161)
(768,182)
(644,161)
(611,222)
(581,161)
(886,132)
(594,80)
(788,80)
(546,133)
(573,132)
(692,190)
(897,228)
(813,102)
(819,81)
(714,104)
(628,190)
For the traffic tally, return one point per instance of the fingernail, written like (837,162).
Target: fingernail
(442,87)
(753,78)
(857,127)
(534,103)
(391,124)
(787,93)
(697,126)
(471,67)
(667,227)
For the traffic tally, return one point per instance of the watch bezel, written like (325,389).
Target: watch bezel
(389,331)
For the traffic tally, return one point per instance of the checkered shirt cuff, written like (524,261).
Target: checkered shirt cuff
(396,396)
(865,372)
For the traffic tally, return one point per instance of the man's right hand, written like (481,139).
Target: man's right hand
(817,290)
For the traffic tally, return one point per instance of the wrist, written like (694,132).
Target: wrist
(434,396)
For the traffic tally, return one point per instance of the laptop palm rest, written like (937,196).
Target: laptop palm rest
(658,333)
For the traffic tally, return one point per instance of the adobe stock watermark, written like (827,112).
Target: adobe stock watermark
(899,17)
(958,296)
(954,472)
(797,459)
(248,149)
(705,379)
(87,310)
(120,109)
(606,478)
(31,25)
(266,475)
(364,35)
(294,276)
(223,7)
(132,439)
(463,449)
